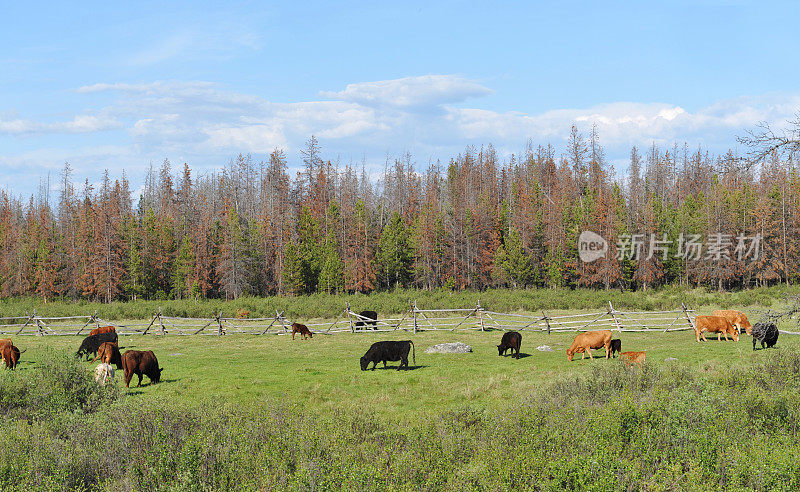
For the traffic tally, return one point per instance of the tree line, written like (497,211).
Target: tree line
(473,222)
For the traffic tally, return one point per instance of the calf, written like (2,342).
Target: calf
(714,324)
(10,356)
(141,363)
(102,329)
(766,333)
(367,318)
(91,343)
(616,346)
(102,373)
(389,351)
(631,358)
(108,353)
(737,319)
(511,340)
(302,330)
(585,342)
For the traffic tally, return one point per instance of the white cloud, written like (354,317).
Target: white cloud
(78,124)
(204,125)
(421,92)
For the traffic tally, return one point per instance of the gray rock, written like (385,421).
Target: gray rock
(670,359)
(544,348)
(449,348)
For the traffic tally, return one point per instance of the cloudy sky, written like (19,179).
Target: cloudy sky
(114,86)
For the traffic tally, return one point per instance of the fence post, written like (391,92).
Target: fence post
(349,318)
(688,318)
(96,321)
(219,324)
(546,321)
(38,325)
(160,321)
(614,316)
(414,308)
(480,313)
(279,317)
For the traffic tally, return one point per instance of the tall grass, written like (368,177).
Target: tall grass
(654,428)
(330,306)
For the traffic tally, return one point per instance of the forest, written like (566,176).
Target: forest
(474,222)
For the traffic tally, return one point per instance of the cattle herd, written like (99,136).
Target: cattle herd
(103,343)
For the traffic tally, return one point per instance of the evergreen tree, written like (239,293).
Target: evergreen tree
(395,254)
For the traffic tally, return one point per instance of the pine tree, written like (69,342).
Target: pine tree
(182,278)
(395,255)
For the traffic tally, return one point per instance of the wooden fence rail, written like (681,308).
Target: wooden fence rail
(412,320)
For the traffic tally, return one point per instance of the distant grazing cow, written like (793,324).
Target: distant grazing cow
(616,346)
(10,356)
(737,319)
(371,319)
(766,333)
(102,329)
(585,342)
(714,324)
(91,343)
(302,330)
(511,340)
(389,351)
(103,373)
(141,363)
(108,353)
(631,358)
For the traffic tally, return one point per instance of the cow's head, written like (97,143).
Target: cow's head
(748,328)
(500,349)
(364,363)
(570,353)
(735,334)
(158,375)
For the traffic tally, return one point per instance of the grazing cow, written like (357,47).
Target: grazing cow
(585,342)
(91,343)
(511,340)
(102,373)
(766,333)
(714,324)
(108,353)
(367,318)
(102,329)
(737,319)
(302,330)
(616,346)
(389,351)
(141,362)
(631,358)
(10,356)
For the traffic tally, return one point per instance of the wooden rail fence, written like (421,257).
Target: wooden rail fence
(413,320)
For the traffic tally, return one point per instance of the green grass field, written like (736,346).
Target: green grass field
(322,374)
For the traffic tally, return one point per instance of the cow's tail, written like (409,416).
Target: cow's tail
(413,353)
(23,351)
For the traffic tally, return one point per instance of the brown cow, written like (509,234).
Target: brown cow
(302,330)
(4,342)
(141,363)
(631,358)
(108,353)
(737,319)
(584,342)
(10,356)
(102,329)
(714,324)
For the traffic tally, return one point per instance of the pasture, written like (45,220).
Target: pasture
(322,374)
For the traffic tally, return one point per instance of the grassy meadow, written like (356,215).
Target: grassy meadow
(322,374)
(242,412)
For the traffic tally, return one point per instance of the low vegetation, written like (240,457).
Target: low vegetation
(397,301)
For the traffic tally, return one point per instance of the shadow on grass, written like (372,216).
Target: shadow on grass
(394,368)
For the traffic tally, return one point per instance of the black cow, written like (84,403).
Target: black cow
(511,340)
(616,346)
(389,351)
(766,333)
(372,319)
(91,343)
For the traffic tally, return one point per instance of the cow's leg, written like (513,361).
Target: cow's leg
(589,350)
(403,362)
(128,377)
(293,335)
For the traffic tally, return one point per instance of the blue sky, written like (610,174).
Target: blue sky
(115,86)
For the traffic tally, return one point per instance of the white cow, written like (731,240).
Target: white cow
(102,373)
